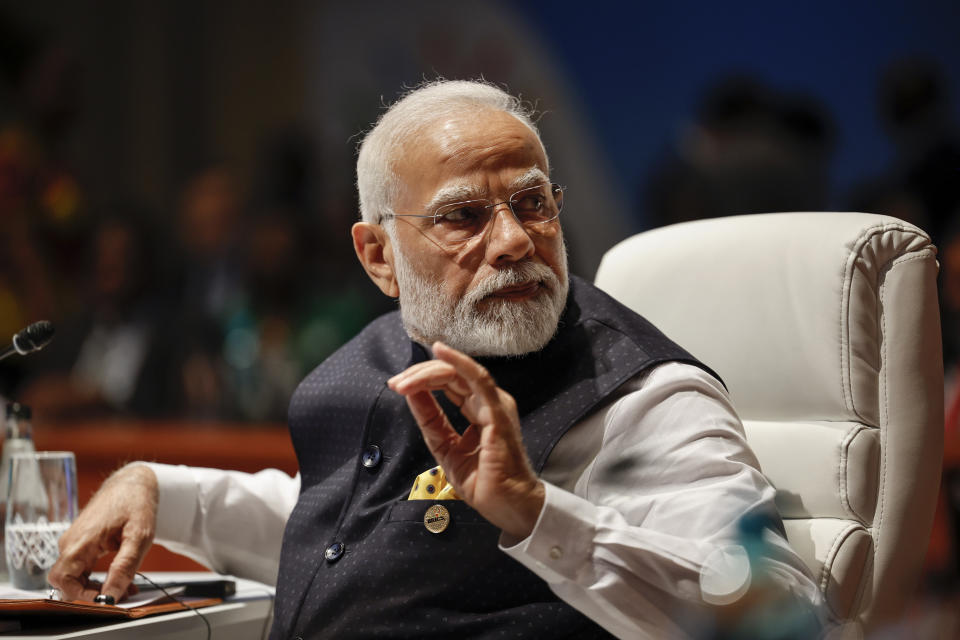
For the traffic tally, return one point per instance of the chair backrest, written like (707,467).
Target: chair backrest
(825,329)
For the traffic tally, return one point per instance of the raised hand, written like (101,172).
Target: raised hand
(121,517)
(488,464)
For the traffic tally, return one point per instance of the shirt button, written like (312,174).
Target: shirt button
(334,551)
(371,457)
(556,553)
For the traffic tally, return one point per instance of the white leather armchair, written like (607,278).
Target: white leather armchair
(825,328)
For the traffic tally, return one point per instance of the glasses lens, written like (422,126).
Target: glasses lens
(531,204)
(460,221)
(537,204)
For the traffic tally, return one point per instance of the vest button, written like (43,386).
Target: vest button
(334,551)
(371,457)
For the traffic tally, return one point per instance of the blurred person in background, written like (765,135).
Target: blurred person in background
(209,234)
(112,356)
(206,273)
(751,149)
(260,285)
(916,107)
(284,320)
(293,305)
(922,184)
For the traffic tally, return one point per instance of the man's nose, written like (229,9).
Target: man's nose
(509,241)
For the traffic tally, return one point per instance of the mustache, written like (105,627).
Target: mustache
(515,274)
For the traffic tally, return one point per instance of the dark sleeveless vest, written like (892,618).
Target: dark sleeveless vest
(357,560)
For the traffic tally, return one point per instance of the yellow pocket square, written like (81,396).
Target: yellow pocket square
(432,485)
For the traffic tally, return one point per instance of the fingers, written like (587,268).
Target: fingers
(477,378)
(456,374)
(479,382)
(431,375)
(79,549)
(71,578)
(438,433)
(463,380)
(123,569)
(79,589)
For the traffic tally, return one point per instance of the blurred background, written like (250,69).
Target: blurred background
(176,178)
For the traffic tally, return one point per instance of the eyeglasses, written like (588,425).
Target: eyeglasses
(535,208)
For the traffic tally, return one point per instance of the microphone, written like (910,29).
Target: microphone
(33,338)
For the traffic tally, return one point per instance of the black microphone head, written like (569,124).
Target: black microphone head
(34,337)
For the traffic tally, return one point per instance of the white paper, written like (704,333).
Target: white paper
(8,592)
(149,596)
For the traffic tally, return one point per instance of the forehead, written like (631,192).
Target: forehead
(484,149)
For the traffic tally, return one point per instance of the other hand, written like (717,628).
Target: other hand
(487,464)
(121,517)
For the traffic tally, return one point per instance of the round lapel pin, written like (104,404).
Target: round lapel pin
(436,519)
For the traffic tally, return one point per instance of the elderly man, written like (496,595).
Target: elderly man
(598,476)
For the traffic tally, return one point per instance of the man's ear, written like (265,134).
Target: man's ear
(375,253)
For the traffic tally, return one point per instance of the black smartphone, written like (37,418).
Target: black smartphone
(219,588)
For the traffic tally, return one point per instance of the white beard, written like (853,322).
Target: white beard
(503,327)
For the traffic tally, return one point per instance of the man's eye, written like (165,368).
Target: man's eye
(529,203)
(460,215)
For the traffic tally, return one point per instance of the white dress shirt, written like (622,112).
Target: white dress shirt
(643,497)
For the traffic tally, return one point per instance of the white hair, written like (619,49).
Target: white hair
(377,181)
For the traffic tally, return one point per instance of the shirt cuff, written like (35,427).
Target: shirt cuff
(176,501)
(561,543)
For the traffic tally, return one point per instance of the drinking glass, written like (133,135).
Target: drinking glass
(40,506)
